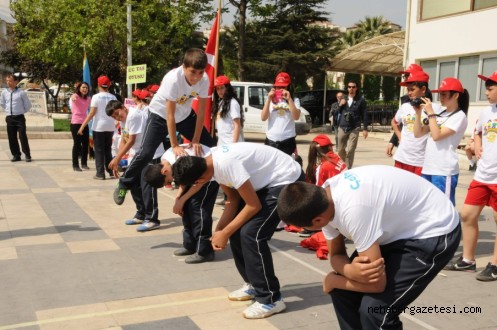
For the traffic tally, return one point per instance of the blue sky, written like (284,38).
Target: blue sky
(347,12)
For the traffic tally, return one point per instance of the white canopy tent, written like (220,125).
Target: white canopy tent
(382,55)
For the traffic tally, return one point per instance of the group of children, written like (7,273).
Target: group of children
(394,261)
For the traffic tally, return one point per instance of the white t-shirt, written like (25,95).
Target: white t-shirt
(384,204)
(225,126)
(486,171)
(263,165)
(281,125)
(136,122)
(171,158)
(174,87)
(411,150)
(102,122)
(441,156)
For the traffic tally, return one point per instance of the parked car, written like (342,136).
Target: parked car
(312,101)
(252,96)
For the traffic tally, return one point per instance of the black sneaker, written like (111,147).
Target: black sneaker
(183,252)
(488,274)
(459,264)
(119,194)
(198,259)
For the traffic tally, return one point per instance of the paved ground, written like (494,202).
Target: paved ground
(67,261)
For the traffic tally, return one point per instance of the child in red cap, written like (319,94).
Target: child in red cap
(322,165)
(446,129)
(482,190)
(226,108)
(281,112)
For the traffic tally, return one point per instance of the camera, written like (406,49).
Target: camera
(348,117)
(416,102)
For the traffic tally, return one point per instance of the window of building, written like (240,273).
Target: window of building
(466,69)
(482,4)
(438,8)
(489,65)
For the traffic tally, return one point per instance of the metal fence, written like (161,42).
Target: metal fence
(380,115)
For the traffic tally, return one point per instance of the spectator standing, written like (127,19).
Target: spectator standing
(446,129)
(281,112)
(16,103)
(352,113)
(80,102)
(410,154)
(335,115)
(226,109)
(103,128)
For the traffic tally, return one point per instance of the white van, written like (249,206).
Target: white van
(252,95)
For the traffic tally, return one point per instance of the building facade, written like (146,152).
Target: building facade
(454,38)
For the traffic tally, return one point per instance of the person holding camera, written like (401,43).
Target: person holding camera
(410,154)
(281,112)
(352,112)
(446,129)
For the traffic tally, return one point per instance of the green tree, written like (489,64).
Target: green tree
(50,35)
(368,28)
(285,38)
(371,27)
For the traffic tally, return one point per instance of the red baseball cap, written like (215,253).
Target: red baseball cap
(449,84)
(103,81)
(153,88)
(282,80)
(221,80)
(412,68)
(143,94)
(136,93)
(416,76)
(492,77)
(322,140)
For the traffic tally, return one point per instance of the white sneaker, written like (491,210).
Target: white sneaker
(260,311)
(246,292)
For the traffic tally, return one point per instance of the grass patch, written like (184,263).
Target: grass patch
(62,125)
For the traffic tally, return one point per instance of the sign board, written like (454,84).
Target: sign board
(38,102)
(129,103)
(136,74)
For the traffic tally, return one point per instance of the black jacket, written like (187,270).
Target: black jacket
(352,116)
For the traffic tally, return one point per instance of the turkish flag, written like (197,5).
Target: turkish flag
(210,50)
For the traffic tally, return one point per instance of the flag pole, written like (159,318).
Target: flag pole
(216,61)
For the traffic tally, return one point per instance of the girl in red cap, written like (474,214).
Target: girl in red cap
(281,112)
(441,165)
(323,163)
(226,109)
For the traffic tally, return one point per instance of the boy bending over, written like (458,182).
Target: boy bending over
(405,231)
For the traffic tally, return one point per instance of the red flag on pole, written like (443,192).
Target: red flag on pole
(211,51)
